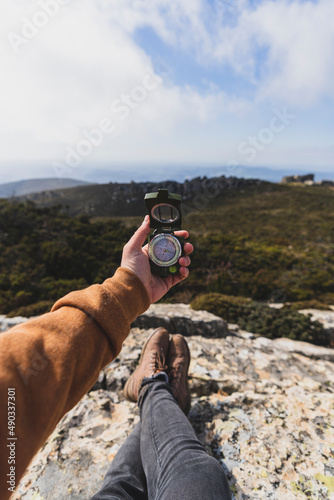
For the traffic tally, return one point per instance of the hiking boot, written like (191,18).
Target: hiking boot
(178,361)
(151,362)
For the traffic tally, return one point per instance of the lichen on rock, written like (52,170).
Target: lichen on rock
(263,408)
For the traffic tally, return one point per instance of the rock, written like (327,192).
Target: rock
(7,323)
(324,317)
(300,179)
(276,305)
(304,348)
(307,180)
(180,318)
(108,199)
(2,318)
(327,183)
(263,408)
(77,455)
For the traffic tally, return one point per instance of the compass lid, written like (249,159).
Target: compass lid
(164,209)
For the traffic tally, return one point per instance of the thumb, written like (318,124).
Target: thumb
(139,237)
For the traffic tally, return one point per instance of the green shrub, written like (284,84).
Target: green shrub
(258,242)
(277,323)
(261,319)
(44,254)
(32,310)
(327,298)
(228,307)
(307,304)
(54,290)
(23,298)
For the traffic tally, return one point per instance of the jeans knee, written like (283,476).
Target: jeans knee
(197,479)
(211,477)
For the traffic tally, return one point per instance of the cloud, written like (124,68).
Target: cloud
(299,40)
(64,79)
(284,47)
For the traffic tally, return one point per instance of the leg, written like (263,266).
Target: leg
(175,463)
(125,479)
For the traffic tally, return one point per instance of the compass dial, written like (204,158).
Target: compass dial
(165,250)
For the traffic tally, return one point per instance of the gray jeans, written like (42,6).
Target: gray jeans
(162,459)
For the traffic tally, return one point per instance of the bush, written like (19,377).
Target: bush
(22,298)
(32,310)
(276,323)
(307,304)
(228,307)
(44,254)
(259,242)
(262,319)
(327,298)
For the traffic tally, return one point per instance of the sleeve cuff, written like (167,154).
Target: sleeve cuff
(114,305)
(131,293)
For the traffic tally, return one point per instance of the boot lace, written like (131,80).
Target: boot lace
(175,375)
(157,363)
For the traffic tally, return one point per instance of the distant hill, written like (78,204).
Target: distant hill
(126,199)
(21,188)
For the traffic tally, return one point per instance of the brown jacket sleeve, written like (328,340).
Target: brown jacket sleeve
(52,361)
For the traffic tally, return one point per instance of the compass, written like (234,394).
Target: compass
(164,247)
(165,250)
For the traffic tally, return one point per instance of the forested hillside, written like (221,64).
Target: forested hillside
(268,242)
(263,241)
(44,254)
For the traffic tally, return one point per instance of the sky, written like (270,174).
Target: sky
(89,88)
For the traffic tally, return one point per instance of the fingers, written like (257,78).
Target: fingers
(139,237)
(188,248)
(174,280)
(185,261)
(184,272)
(183,233)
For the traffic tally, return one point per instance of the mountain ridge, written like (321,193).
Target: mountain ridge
(119,199)
(27,186)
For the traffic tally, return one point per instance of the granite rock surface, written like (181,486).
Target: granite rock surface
(263,408)
(7,323)
(181,318)
(324,317)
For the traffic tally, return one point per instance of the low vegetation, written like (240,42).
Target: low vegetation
(44,254)
(268,242)
(265,243)
(262,319)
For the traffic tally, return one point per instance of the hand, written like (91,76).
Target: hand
(135,258)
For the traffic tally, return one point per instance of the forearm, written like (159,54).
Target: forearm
(52,361)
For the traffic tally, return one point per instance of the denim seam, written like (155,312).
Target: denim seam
(154,435)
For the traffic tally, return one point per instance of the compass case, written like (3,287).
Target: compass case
(164,209)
